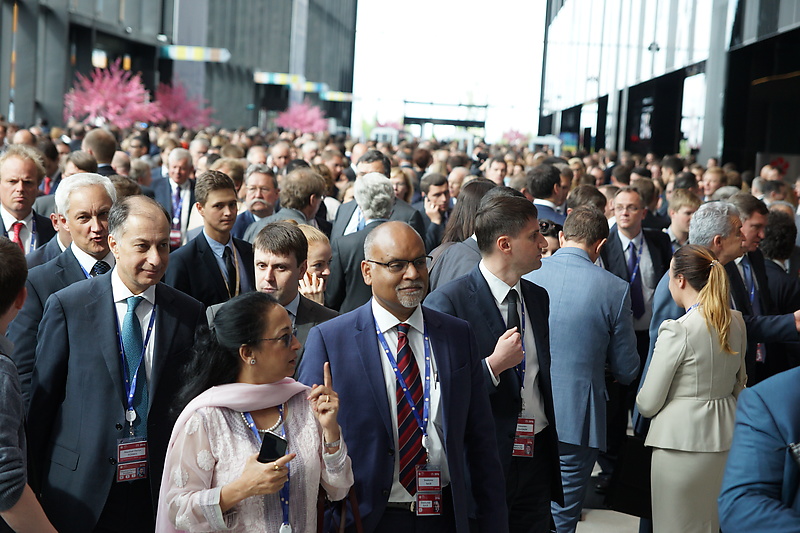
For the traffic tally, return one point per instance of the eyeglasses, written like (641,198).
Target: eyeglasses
(400,265)
(628,208)
(264,190)
(546,225)
(285,339)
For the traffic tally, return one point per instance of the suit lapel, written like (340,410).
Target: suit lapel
(369,355)
(444,365)
(246,252)
(106,335)
(70,269)
(738,291)
(209,262)
(482,293)
(616,256)
(166,324)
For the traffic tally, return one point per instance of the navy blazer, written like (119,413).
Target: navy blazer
(42,281)
(193,270)
(548,213)
(470,299)
(77,409)
(345,289)
(402,212)
(163,194)
(243,221)
(309,314)
(762,478)
(658,245)
(43,254)
(350,343)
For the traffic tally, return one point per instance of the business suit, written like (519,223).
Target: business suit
(42,281)
(471,299)
(309,314)
(243,221)
(350,343)
(163,194)
(455,262)
(548,213)
(590,325)
(402,212)
(783,288)
(658,246)
(78,400)
(345,289)
(690,394)
(105,169)
(193,270)
(762,477)
(433,232)
(45,205)
(286,213)
(44,231)
(43,254)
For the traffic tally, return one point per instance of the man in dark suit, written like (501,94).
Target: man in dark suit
(86,200)
(349,218)
(92,334)
(213,267)
(510,319)
(549,190)
(261,195)
(434,208)
(21,171)
(176,194)
(390,445)
(101,144)
(52,249)
(346,289)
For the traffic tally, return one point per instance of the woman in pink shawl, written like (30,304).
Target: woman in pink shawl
(241,390)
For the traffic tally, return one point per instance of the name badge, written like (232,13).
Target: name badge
(174,238)
(523,438)
(131,459)
(429,491)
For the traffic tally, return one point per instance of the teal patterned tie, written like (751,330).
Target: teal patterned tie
(132,343)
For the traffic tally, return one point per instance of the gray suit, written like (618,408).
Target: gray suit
(285,213)
(590,324)
(455,261)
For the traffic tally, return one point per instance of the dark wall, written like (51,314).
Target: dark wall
(661,100)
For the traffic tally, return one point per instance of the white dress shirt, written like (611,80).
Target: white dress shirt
(186,205)
(25,234)
(533,405)
(387,324)
(87,261)
(120,293)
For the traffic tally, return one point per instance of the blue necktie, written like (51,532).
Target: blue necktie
(637,297)
(755,302)
(361,222)
(133,344)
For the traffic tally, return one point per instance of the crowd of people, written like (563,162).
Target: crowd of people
(230,330)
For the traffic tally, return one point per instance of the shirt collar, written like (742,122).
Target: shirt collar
(548,203)
(387,320)
(87,261)
(9,219)
(497,286)
(636,240)
(121,293)
(291,307)
(217,247)
(174,185)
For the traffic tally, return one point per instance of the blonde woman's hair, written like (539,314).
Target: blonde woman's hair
(704,273)
(313,235)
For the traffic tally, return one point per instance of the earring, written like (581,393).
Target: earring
(253,361)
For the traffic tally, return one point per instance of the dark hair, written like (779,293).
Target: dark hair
(586,195)
(642,171)
(772,186)
(551,229)
(422,158)
(432,179)
(747,204)
(461,223)
(621,174)
(541,180)
(215,356)
(673,163)
(299,185)
(647,190)
(501,214)
(125,186)
(294,164)
(372,156)
(685,180)
(13,273)
(211,180)
(102,143)
(632,190)
(586,225)
(282,238)
(779,236)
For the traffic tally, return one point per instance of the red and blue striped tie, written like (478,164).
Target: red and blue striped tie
(409,435)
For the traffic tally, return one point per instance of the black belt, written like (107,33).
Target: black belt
(412,506)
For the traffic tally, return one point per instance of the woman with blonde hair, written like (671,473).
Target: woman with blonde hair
(695,375)
(313,283)
(402,184)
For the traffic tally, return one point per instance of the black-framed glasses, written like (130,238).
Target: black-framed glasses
(400,265)
(285,339)
(546,225)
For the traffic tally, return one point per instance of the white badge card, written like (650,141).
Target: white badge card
(523,437)
(429,491)
(429,478)
(175,238)
(131,459)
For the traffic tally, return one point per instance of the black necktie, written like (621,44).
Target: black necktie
(230,268)
(99,268)
(513,315)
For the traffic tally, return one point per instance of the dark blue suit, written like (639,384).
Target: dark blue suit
(43,281)
(470,299)
(548,213)
(77,409)
(44,231)
(350,343)
(43,254)
(163,194)
(762,478)
(193,270)
(402,212)
(243,221)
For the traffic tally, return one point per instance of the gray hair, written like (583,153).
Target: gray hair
(374,195)
(131,205)
(77,181)
(260,169)
(712,219)
(179,154)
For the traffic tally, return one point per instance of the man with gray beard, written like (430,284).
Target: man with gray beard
(261,195)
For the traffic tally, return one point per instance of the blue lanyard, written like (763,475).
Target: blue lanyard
(422,421)
(284,492)
(638,259)
(177,206)
(130,384)
(692,308)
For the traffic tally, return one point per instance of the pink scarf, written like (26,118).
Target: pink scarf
(236,396)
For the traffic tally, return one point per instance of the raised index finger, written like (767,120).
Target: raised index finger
(328,380)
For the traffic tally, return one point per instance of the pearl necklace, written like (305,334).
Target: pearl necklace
(263,431)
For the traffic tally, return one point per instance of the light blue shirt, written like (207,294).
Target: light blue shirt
(218,248)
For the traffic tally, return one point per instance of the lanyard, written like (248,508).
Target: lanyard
(422,421)
(284,492)
(692,308)
(177,207)
(130,383)
(638,260)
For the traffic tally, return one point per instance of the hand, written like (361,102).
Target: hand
(313,287)
(325,404)
(432,210)
(797,320)
(507,352)
(257,479)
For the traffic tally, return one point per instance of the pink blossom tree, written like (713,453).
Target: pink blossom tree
(110,96)
(514,137)
(303,118)
(176,106)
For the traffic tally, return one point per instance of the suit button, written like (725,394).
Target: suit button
(119,427)
(391,451)
(385,492)
(112,460)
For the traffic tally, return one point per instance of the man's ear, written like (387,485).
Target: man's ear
(599,246)
(366,272)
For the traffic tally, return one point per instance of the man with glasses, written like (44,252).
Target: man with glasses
(405,373)
(641,257)
(549,190)
(261,195)
(509,317)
